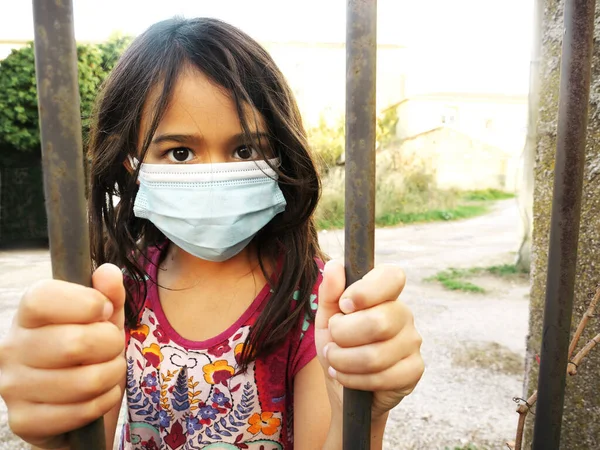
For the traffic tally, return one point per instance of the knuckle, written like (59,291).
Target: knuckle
(30,301)
(395,274)
(20,422)
(75,345)
(420,367)
(117,339)
(417,340)
(6,349)
(94,383)
(377,383)
(381,324)
(371,362)
(334,325)
(99,406)
(7,384)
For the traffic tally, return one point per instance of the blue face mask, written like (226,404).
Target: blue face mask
(211,211)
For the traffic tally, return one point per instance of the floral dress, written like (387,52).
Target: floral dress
(184,394)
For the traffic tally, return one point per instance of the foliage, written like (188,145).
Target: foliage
(456,279)
(386,127)
(488,194)
(400,198)
(19,126)
(327,142)
(327,139)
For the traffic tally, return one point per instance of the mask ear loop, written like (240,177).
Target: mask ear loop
(133,161)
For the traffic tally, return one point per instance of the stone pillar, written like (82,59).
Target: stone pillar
(581,420)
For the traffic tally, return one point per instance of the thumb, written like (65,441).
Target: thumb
(331,289)
(108,279)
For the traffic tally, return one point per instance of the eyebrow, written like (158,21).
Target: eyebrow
(195,138)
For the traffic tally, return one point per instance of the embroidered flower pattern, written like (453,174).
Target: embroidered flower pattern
(218,373)
(180,399)
(264,422)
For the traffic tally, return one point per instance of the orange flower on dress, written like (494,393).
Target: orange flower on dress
(218,372)
(153,354)
(140,332)
(264,422)
(237,351)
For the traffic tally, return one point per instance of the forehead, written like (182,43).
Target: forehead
(199,105)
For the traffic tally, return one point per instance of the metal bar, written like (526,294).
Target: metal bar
(564,225)
(361,56)
(62,156)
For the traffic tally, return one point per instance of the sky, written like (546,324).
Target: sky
(485,42)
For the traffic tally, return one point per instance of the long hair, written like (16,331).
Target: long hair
(245,70)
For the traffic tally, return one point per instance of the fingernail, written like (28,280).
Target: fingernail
(347,305)
(325,351)
(332,372)
(108,311)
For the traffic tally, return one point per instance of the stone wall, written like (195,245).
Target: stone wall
(581,421)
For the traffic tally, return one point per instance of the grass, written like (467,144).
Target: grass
(453,279)
(410,198)
(458,279)
(435,215)
(487,195)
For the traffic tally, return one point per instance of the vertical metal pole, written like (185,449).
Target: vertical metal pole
(361,54)
(564,226)
(60,126)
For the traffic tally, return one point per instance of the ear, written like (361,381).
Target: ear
(129,167)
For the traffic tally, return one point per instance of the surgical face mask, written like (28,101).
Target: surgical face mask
(211,211)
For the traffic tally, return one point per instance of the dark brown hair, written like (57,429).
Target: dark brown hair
(245,70)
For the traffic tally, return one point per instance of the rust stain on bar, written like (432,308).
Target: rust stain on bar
(361,55)
(64,182)
(564,226)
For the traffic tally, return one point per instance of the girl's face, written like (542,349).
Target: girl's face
(201,125)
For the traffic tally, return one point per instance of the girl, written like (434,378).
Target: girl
(211,332)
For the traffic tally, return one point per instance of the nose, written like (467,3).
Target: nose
(215,155)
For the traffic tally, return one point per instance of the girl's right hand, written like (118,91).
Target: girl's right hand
(62,363)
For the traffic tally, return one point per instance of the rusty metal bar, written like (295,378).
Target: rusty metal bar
(564,226)
(361,57)
(62,156)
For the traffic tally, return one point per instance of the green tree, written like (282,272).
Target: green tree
(19,126)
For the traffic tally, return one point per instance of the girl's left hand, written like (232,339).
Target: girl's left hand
(366,338)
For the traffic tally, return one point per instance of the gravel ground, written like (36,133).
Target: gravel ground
(453,405)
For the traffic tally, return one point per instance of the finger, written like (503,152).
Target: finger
(62,346)
(401,378)
(64,386)
(35,422)
(373,358)
(376,324)
(332,286)
(59,302)
(382,284)
(108,279)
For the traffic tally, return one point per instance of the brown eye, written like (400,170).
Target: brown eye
(181,154)
(246,153)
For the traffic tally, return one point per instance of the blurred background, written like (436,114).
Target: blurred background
(454,204)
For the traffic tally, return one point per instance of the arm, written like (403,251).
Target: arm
(318,420)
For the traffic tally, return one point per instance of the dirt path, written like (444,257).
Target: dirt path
(454,404)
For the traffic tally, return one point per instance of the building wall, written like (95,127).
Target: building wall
(498,120)
(458,161)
